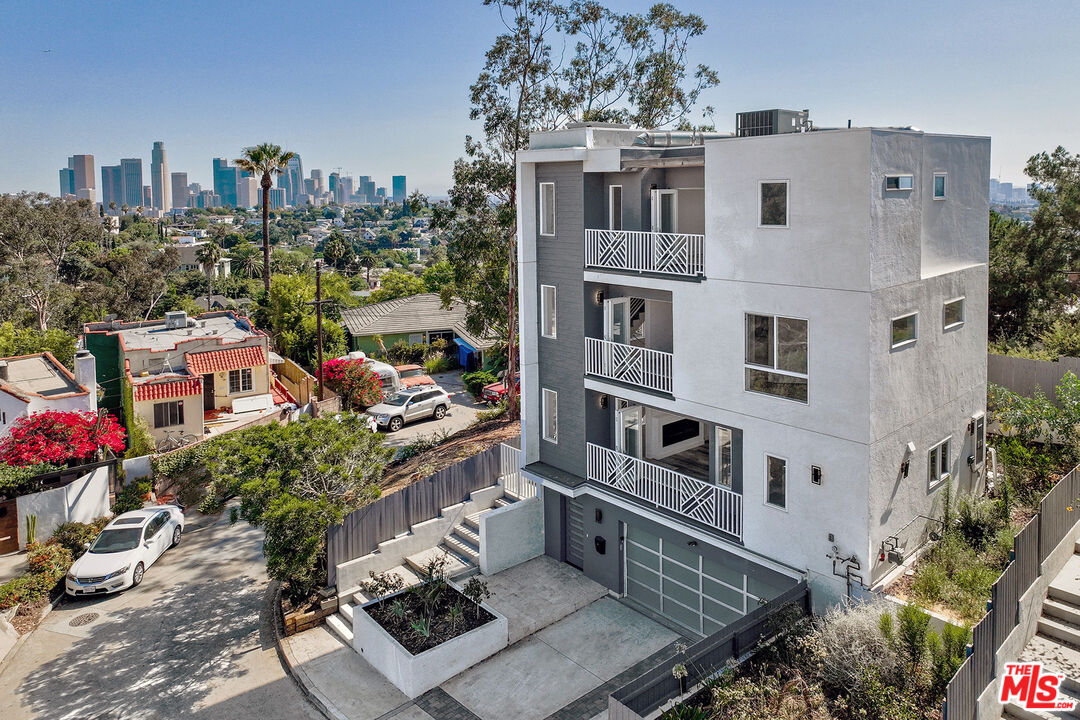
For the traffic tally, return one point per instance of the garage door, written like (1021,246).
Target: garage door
(671,579)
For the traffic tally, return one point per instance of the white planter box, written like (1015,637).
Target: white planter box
(416,674)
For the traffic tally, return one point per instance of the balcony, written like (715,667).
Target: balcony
(639,366)
(680,255)
(712,505)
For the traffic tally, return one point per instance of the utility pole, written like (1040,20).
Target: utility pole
(318,320)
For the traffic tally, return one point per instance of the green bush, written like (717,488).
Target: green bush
(475,381)
(140,439)
(978,520)
(27,588)
(15,481)
(492,414)
(929,586)
(438,364)
(75,535)
(402,353)
(131,496)
(48,559)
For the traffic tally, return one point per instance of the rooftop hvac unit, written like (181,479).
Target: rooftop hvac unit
(771,122)
(175,319)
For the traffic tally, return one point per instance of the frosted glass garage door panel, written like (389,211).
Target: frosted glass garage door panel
(642,594)
(722,593)
(646,557)
(644,538)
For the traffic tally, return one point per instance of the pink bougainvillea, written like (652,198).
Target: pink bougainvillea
(353,380)
(58,438)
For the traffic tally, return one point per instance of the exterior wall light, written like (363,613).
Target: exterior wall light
(598,297)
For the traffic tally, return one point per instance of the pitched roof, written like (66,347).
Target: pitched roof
(415,313)
(221,360)
(164,389)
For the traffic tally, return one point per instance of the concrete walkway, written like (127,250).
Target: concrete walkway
(571,646)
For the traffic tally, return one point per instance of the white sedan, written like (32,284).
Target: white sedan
(128,545)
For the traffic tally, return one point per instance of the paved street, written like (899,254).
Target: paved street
(461,415)
(192,641)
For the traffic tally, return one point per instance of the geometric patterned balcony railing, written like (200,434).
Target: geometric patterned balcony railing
(679,254)
(713,505)
(643,367)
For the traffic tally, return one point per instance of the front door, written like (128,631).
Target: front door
(665,210)
(575,533)
(208,391)
(9,527)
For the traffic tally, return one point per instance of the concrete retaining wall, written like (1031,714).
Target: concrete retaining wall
(420,537)
(79,501)
(511,535)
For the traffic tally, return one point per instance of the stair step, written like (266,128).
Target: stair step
(1059,630)
(346,611)
(502,502)
(1061,611)
(337,625)
(473,521)
(408,578)
(459,546)
(467,533)
(455,565)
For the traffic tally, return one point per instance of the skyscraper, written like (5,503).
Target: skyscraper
(161,190)
(131,174)
(317,178)
(247,192)
(147,197)
(225,181)
(398,184)
(112,186)
(295,173)
(277,198)
(179,189)
(67,182)
(334,179)
(83,168)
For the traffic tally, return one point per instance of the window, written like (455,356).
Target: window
(551,415)
(939,186)
(899,182)
(774,205)
(780,345)
(776,481)
(980,439)
(615,207)
(953,313)
(547,311)
(723,460)
(547,208)
(905,329)
(167,414)
(938,464)
(239,381)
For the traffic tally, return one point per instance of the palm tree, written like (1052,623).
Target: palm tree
(367,261)
(209,256)
(265,160)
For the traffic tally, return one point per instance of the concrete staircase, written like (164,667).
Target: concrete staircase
(461,548)
(1057,640)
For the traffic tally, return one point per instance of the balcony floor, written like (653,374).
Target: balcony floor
(693,462)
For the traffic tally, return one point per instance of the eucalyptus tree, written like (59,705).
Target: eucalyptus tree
(265,161)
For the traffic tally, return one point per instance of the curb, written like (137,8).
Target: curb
(14,649)
(293,667)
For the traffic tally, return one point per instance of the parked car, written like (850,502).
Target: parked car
(413,376)
(119,556)
(410,404)
(494,393)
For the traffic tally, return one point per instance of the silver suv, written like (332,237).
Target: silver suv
(410,404)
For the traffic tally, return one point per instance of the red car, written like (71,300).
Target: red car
(413,376)
(496,392)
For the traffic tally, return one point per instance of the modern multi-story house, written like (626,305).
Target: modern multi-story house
(749,359)
(171,372)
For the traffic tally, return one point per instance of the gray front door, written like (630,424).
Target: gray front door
(575,533)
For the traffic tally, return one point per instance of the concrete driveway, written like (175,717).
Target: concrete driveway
(195,640)
(461,415)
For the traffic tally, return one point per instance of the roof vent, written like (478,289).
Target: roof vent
(771,122)
(175,319)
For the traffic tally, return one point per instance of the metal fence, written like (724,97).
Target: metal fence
(362,530)
(704,659)
(1031,546)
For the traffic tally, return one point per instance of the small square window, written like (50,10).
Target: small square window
(551,415)
(776,481)
(939,186)
(547,311)
(953,313)
(774,204)
(905,329)
(547,208)
(899,182)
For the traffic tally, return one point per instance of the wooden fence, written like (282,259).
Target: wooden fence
(1024,375)
(1057,515)
(362,531)
(705,658)
(296,380)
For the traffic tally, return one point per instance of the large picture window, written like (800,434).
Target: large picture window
(776,356)
(240,381)
(547,208)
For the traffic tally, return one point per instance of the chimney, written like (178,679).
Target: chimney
(86,375)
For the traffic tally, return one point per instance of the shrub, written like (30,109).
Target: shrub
(354,381)
(48,559)
(15,481)
(853,641)
(402,353)
(929,586)
(61,437)
(131,496)
(27,588)
(475,381)
(437,364)
(492,413)
(74,535)
(141,440)
(978,520)
(873,697)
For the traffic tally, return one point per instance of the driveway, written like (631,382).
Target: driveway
(193,641)
(462,414)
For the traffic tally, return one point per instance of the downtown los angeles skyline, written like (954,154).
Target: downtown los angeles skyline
(379,90)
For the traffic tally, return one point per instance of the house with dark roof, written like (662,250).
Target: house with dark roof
(40,383)
(414,319)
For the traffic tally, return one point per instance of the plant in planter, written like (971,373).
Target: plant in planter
(477,591)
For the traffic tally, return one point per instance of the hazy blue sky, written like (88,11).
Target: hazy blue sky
(381,88)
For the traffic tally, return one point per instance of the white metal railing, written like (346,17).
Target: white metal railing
(713,505)
(667,253)
(511,478)
(629,364)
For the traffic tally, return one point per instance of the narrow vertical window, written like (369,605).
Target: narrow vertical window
(980,439)
(776,481)
(547,208)
(938,464)
(547,311)
(615,207)
(551,415)
(939,186)
(723,456)
(774,204)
